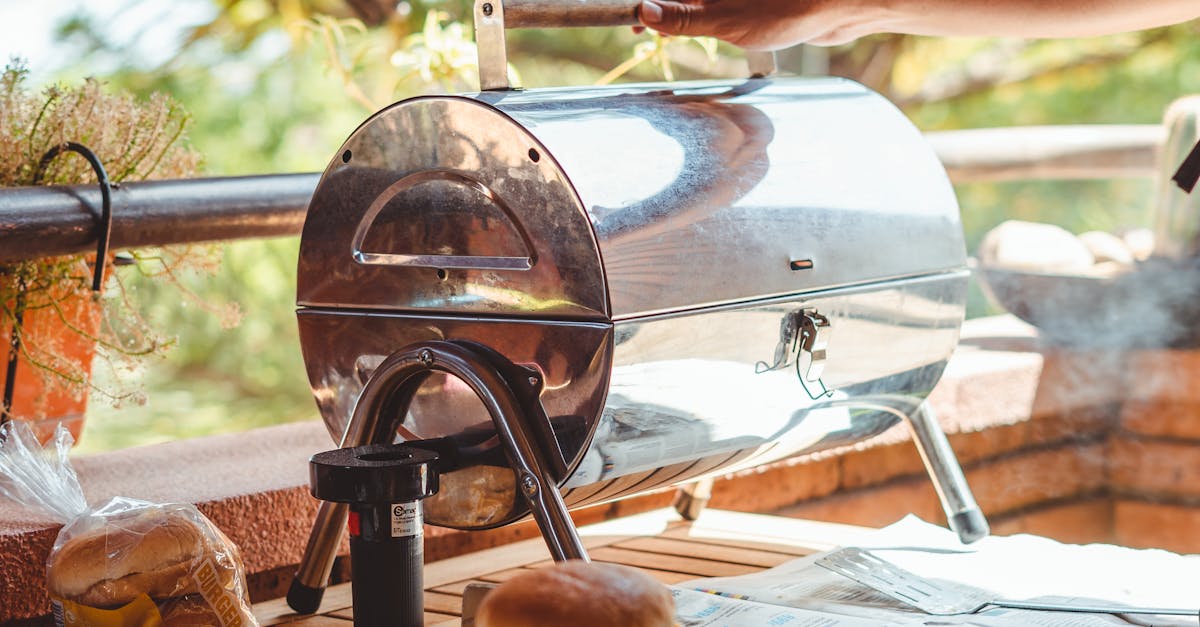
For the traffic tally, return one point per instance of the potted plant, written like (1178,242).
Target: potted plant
(60,325)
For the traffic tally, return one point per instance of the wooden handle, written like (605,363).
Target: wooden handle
(493,17)
(569,13)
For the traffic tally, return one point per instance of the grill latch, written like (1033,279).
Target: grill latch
(802,333)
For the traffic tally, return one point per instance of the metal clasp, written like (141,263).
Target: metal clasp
(814,340)
(802,332)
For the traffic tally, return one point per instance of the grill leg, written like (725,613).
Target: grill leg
(963,514)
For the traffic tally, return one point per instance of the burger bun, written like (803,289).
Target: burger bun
(579,594)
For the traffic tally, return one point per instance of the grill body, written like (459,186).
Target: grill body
(645,253)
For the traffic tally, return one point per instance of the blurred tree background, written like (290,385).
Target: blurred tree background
(277,85)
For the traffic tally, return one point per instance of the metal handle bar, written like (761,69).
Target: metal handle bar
(492,17)
(459,262)
(561,14)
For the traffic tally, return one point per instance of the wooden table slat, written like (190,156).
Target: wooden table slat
(320,620)
(448,605)
(711,552)
(503,575)
(666,577)
(684,533)
(443,603)
(457,588)
(674,563)
(277,612)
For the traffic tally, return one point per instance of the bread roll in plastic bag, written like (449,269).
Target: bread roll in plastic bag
(126,563)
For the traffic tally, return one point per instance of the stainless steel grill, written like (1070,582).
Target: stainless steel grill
(652,253)
(671,280)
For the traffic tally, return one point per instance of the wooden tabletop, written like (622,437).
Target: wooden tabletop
(718,544)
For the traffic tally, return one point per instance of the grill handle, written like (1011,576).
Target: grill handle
(560,14)
(492,17)
(441,262)
(382,404)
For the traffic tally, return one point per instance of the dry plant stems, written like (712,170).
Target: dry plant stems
(375,66)
(657,51)
(332,32)
(135,141)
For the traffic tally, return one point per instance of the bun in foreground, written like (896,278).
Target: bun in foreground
(579,594)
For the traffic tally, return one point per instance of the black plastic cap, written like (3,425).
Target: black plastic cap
(375,473)
(303,599)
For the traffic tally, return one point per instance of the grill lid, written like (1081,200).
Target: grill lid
(445,204)
(622,202)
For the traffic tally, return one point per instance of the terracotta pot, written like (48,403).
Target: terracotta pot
(37,397)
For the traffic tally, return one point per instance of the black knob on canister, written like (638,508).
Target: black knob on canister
(384,485)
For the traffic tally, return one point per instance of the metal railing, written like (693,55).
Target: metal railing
(56,220)
(1050,152)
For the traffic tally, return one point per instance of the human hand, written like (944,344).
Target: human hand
(774,24)
(760,24)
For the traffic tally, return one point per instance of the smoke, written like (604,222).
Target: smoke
(1154,305)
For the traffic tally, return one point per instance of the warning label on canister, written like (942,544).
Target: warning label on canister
(406,520)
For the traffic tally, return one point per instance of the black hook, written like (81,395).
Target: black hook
(14,348)
(1189,172)
(105,201)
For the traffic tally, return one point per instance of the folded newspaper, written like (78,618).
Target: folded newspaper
(800,593)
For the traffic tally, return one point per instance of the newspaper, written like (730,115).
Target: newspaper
(801,594)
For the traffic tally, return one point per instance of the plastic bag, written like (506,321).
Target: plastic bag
(127,563)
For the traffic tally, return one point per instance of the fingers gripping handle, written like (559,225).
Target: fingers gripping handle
(492,17)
